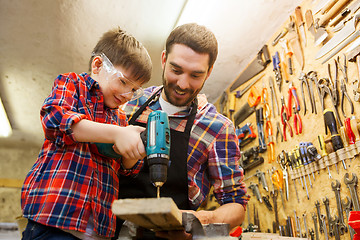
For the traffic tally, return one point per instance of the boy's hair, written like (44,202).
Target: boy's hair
(122,49)
(197,37)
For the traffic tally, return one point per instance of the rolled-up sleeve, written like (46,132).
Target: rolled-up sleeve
(59,111)
(226,174)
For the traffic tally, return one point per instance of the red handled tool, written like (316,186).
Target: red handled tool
(292,94)
(297,121)
(285,118)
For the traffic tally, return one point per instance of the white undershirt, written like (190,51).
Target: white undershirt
(169,108)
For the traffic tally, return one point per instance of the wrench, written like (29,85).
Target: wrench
(351,184)
(336,188)
(336,228)
(313,215)
(331,222)
(317,205)
(323,224)
(347,207)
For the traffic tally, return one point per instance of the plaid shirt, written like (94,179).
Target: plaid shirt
(69,181)
(213,152)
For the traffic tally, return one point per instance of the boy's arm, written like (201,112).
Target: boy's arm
(126,139)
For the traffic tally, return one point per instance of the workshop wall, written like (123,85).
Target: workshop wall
(312,126)
(15,164)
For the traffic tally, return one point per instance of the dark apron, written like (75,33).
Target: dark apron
(176,185)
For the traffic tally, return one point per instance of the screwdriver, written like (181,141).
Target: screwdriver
(336,140)
(323,152)
(288,163)
(299,165)
(302,161)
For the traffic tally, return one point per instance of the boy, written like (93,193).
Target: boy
(69,191)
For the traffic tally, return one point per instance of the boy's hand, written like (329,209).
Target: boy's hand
(129,144)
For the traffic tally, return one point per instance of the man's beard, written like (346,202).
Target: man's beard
(168,87)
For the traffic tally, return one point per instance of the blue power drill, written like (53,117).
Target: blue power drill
(156,139)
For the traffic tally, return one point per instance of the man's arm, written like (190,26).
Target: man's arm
(231,213)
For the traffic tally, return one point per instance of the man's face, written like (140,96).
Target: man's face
(184,74)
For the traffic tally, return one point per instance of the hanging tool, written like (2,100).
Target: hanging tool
(276,69)
(260,127)
(255,188)
(241,92)
(323,151)
(350,136)
(297,121)
(156,139)
(300,155)
(278,132)
(273,96)
(243,113)
(334,83)
(268,126)
(332,12)
(339,37)
(250,158)
(262,180)
(319,33)
(294,42)
(245,134)
(255,67)
(311,149)
(355,126)
(223,100)
(283,160)
(325,6)
(353,36)
(312,76)
(345,12)
(300,23)
(326,90)
(285,118)
(297,164)
(283,66)
(292,94)
(306,157)
(303,80)
(278,180)
(288,54)
(283,32)
(232,105)
(343,95)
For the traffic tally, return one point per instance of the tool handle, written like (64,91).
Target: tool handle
(349,131)
(354,127)
(343,135)
(298,16)
(333,11)
(328,6)
(322,145)
(232,102)
(309,18)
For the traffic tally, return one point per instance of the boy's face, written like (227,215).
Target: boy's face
(184,74)
(115,83)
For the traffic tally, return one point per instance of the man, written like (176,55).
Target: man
(204,147)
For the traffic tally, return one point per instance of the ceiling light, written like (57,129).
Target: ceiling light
(5,127)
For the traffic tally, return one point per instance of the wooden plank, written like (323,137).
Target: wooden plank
(11,183)
(156,214)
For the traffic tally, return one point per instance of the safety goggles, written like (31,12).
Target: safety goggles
(136,91)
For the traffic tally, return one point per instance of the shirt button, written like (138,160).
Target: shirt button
(98,97)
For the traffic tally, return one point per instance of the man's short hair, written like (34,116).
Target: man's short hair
(197,37)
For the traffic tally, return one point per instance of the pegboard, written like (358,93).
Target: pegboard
(312,126)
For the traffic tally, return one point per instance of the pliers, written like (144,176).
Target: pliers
(303,80)
(292,94)
(285,118)
(343,95)
(297,120)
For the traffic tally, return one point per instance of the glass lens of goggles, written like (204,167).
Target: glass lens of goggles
(136,92)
